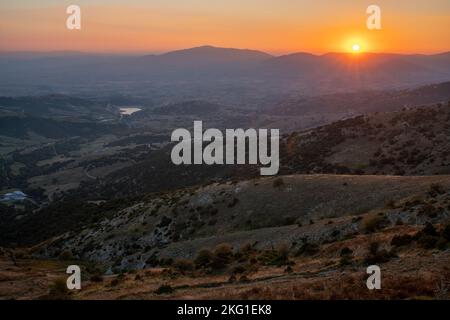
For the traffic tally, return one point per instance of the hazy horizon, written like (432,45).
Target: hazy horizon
(274,54)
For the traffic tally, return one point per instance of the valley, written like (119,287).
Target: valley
(364,178)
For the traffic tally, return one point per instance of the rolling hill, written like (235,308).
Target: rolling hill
(209,70)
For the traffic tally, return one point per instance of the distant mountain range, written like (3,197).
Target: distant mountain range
(210,68)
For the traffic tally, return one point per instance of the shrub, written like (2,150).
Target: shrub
(58,290)
(346,256)
(204,258)
(164,289)
(239,269)
(401,240)
(183,265)
(234,202)
(442,244)
(277,257)
(429,211)
(97,277)
(375,223)
(65,255)
(446,232)
(287,221)
(278,182)
(223,255)
(346,251)
(308,249)
(377,255)
(114,282)
(390,204)
(345,260)
(436,189)
(288,269)
(427,241)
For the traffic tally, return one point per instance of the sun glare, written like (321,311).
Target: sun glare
(356,47)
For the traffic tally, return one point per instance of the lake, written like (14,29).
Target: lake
(129,111)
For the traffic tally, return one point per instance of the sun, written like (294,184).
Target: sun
(356,47)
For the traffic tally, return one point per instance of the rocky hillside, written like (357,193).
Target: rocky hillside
(264,212)
(412,141)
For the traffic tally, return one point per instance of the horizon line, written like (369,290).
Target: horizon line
(158,53)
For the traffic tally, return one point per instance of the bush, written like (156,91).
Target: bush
(377,255)
(308,249)
(446,232)
(346,251)
(239,269)
(58,290)
(427,241)
(223,255)
(204,258)
(429,211)
(184,265)
(429,230)
(390,204)
(277,257)
(164,289)
(375,223)
(442,244)
(288,269)
(428,237)
(65,255)
(278,182)
(97,277)
(436,189)
(401,240)
(346,256)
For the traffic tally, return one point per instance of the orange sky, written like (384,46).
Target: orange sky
(276,26)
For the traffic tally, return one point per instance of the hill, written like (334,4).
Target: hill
(266,212)
(408,142)
(211,71)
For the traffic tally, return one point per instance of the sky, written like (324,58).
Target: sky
(274,26)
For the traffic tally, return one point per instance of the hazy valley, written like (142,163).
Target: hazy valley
(364,176)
